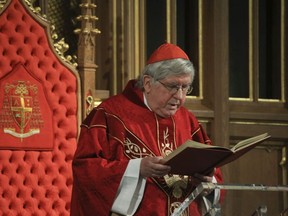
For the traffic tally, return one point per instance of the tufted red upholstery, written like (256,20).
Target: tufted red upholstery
(37,182)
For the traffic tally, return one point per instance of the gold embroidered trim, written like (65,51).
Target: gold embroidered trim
(166,146)
(195,132)
(133,150)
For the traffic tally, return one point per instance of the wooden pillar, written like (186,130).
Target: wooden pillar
(220,131)
(86,51)
(216,68)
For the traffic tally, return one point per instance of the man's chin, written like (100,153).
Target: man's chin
(166,113)
(171,112)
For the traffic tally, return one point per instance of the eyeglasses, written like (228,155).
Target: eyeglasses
(173,89)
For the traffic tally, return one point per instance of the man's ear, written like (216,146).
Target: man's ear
(147,82)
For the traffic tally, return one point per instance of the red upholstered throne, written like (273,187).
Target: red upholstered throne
(39,116)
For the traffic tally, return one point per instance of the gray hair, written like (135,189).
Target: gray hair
(163,69)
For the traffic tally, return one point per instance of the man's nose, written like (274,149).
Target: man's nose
(179,94)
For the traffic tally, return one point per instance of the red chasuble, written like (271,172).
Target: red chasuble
(123,128)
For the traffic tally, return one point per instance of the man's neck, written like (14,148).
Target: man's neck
(146,102)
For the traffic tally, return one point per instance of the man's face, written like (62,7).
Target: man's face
(165,96)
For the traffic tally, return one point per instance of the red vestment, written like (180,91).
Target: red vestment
(120,129)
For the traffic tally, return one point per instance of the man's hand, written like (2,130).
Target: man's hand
(198,178)
(153,167)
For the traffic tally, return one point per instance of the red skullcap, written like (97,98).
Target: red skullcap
(167,51)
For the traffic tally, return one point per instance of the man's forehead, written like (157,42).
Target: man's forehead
(179,78)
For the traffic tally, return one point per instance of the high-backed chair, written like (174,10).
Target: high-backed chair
(39,116)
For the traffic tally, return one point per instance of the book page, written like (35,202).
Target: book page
(250,141)
(194,144)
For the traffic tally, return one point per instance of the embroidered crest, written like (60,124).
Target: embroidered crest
(20,111)
(26,118)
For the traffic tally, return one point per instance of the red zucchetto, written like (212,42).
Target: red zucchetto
(167,51)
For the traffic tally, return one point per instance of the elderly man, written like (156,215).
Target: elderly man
(118,167)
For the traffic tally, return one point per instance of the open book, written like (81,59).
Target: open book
(194,157)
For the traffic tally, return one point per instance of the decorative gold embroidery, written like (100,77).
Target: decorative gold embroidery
(133,150)
(21,107)
(177,183)
(166,145)
(174,206)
